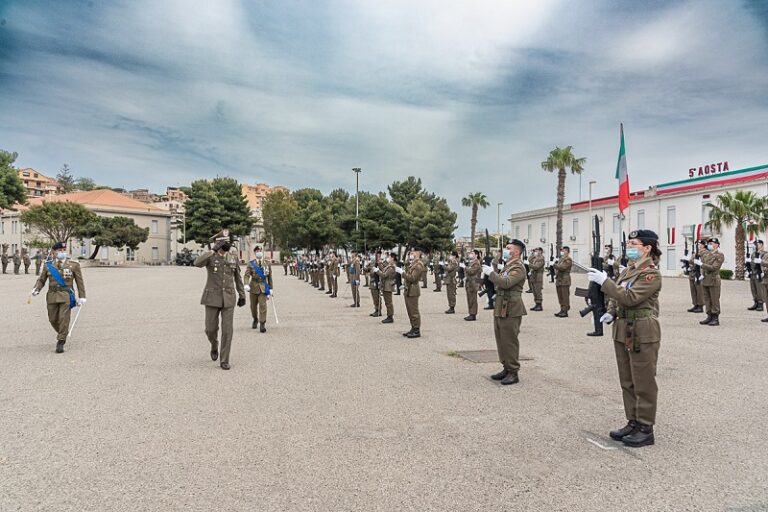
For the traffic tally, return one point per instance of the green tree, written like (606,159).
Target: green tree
(431,226)
(85,184)
(58,220)
(117,232)
(11,187)
(215,205)
(236,216)
(747,211)
(279,213)
(559,160)
(475,201)
(404,192)
(65,179)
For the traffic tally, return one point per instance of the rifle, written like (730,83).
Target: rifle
(624,259)
(610,270)
(696,268)
(488,286)
(551,268)
(748,262)
(757,268)
(595,298)
(525,261)
(686,263)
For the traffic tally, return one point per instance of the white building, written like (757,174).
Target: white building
(673,210)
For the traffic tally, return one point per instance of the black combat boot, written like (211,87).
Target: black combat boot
(693,309)
(388,320)
(511,378)
(255,324)
(329,292)
(225,366)
(715,321)
(60,346)
(595,333)
(415,333)
(561,314)
(214,354)
(537,307)
(470,318)
(759,306)
(406,334)
(630,428)
(643,436)
(322,288)
(754,307)
(374,313)
(529,290)
(706,320)
(764,319)
(450,311)
(698,309)
(262,327)
(498,376)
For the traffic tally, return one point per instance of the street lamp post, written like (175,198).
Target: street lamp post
(357,197)
(591,182)
(498,222)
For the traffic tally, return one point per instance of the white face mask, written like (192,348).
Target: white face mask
(411,258)
(61,255)
(472,257)
(259,255)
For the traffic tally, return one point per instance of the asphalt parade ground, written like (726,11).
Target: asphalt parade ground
(332,411)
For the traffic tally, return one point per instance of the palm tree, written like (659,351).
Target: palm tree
(560,159)
(474,200)
(745,209)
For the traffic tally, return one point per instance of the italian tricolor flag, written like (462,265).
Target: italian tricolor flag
(622,176)
(697,231)
(671,236)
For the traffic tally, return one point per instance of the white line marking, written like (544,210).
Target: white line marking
(599,445)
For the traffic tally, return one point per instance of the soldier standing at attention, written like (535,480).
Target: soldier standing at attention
(451,267)
(354,279)
(321,265)
(425,262)
(61,273)
(694,282)
(366,269)
(710,263)
(509,310)
(413,274)
(474,273)
(763,262)
(335,274)
(286,262)
(258,282)
(755,284)
(26,259)
(437,264)
(563,281)
(387,272)
(536,265)
(38,262)
(634,305)
(375,286)
(219,295)
(4,258)
(16,262)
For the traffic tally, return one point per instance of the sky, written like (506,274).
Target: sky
(468,96)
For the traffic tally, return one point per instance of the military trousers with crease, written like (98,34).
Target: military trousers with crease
(471,300)
(259,307)
(450,290)
(697,295)
(388,303)
(506,331)
(712,299)
(227,315)
(412,308)
(59,315)
(564,297)
(637,376)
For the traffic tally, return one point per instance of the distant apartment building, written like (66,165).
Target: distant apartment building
(255,194)
(38,184)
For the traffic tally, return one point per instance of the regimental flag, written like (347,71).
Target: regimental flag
(622,176)
(671,236)
(697,231)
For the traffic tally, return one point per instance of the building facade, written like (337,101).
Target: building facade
(676,210)
(38,184)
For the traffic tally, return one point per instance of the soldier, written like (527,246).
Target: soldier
(413,274)
(258,282)
(61,273)
(334,274)
(38,262)
(4,258)
(375,288)
(509,310)
(16,262)
(460,273)
(634,304)
(694,279)
(26,259)
(398,277)
(536,265)
(353,270)
(425,262)
(437,265)
(387,272)
(321,273)
(474,274)
(451,268)
(764,271)
(755,278)
(286,262)
(711,261)
(219,295)
(366,271)
(563,281)
(610,263)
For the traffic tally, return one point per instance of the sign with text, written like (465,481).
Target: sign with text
(708,169)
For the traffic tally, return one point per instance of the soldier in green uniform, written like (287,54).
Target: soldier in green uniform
(763,262)
(219,295)
(437,264)
(258,283)
(321,273)
(413,274)
(536,265)
(26,260)
(38,262)
(16,262)
(563,281)
(375,287)
(755,284)
(425,262)
(451,267)
(4,258)
(509,310)
(694,279)
(634,305)
(353,270)
(335,274)
(61,274)
(610,264)
(710,262)
(473,274)
(386,271)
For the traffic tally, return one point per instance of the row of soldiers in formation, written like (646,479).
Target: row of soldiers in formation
(19,259)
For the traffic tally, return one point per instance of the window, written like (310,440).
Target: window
(616,223)
(529,232)
(154,226)
(575,255)
(671,216)
(543,231)
(640,219)
(155,254)
(671,259)
(104,253)
(575,227)
(2,228)
(517,232)
(130,254)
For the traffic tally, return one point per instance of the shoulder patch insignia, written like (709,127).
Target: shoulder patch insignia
(650,277)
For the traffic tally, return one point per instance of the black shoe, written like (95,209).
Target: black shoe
(692,310)
(225,366)
(754,307)
(214,355)
(436,290)
(263,327)
(488,307)
(416,333)
(60,347)
(715,321)
(255,324)
(643,436)
(388,320)
(595,333)
(528,291)
(450,311)
(409,332)
(706,320)
(358,305)
(329,292)
(498,376)
(764,319)
(630,428)
(759,306)
(562,314)
(470,318)
(398,293)
(378,313)
(353,305)
(537,307)
(696,309)
(322,288)
(511,378)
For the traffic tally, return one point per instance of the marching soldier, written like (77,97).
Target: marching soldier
(61,273)
(451,267)
(387,272)
(634,305)
(38,262)
(694,279)
(4,258)
(26,260)
(563,281)
(219,295)
(16,262)
(354,279)
(413,274)
(474,273)
(258,283)
(536,265)
(509,310)
(711,261)
(755,278)
(375,288)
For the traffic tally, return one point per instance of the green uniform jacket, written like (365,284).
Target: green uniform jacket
(711,262)
(353,269)
(536,264)
(253,280)
(386,276)
(71,272)
(412,277)
(223,278)
(634,297)
(563,271)
(474,272)
(764,266)
(451,267)
(509,289)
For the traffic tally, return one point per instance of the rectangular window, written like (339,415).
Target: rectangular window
(155,254)
(640,219)
(529,232)
(575,227)
(154,226)
(671,217)
(517,232)
(2,228)
(575,255)
(671,258)
(130,254)
(104,253)
(616,223)
(543,232)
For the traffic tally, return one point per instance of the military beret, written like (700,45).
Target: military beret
(257,248)
(393,254)
(518,243)
(419,248)
(567,248)
(646,235)
(759,241)
(714,240)
(59,245)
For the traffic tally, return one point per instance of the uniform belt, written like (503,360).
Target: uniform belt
(634,314)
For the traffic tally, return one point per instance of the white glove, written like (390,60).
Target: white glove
(754,260)
(35,292)
(606,318)
(82,301)
(375,270)
(399,270)
(500,266)
(525,261)
(461,265)
(622,268)
(442,263)
(597,276)
(487,269)
(697,261)
(266,271)
(247,288)
(611,261)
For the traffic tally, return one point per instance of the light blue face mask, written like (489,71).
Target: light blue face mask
(505,254)
(709,247)
(61,255)
(633,253)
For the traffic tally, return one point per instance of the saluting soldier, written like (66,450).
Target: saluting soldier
(755,279)
(387,270)
(219,295)
(634,305)
(4,258)
(413,274)
(258,283)
(26,260)
(563,281)
(16,262)
(61,273)
(536,266)
(694,280)
(354,279)
(375,288)
(38,262)
(711,261)
(451,267)
(474,273)
(509,310)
